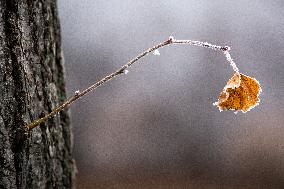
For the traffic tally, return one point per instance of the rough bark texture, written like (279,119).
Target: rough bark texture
(32,84)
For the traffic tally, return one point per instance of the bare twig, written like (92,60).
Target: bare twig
(123,69)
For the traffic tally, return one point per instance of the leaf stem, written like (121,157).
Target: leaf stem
(122,70)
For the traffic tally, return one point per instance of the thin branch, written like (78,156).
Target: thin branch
(123,69)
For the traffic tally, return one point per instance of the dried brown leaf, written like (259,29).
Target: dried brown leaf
(241,94)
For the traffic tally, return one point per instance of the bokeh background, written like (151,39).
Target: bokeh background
(156,127)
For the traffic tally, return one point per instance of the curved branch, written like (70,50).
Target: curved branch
(123,69)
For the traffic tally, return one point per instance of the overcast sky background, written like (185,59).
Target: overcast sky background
(157,125)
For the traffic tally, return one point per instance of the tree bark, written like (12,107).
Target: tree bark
(31,85)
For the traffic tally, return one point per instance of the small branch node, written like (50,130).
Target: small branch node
(225,48)
(171,38)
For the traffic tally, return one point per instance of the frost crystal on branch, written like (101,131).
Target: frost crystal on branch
(156,52)
(232,63)
(125,72)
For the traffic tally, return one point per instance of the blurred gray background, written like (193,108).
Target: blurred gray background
(156,127)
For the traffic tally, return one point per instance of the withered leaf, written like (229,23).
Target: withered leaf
(241,94)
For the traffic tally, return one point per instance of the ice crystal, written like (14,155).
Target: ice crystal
(156,52)
(125,72)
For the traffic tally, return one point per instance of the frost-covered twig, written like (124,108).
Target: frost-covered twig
(124,70)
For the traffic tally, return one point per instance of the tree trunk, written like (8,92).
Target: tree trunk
(31,85)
